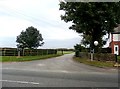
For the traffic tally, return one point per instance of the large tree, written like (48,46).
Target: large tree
(31,38)
(92,19)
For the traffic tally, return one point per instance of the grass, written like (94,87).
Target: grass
(65,52)
(118,57)
(31,58)
(26,58)
(94,63)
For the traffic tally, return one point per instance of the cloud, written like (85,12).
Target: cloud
(11,27)
(67,43)
(17,15)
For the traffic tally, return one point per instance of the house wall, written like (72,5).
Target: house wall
(112,46)
(115,37)
(115,40)
(118,37)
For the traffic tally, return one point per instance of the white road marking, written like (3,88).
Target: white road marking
(41,64)
(64,71)
(24,82)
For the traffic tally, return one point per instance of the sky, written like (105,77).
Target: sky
(17,15)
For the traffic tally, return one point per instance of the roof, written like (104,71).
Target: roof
(117,29)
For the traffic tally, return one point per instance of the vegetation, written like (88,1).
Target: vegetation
(27,52)
(64,52)
(94,63)
(118,59)
(31,58)
(26,58)
(93,20)
(31,38)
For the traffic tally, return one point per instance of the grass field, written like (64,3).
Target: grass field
(30,58)
(64,52)
(26,58)
(94,63)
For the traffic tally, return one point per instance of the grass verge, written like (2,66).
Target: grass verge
(26,58)
(118,57)
(94,63)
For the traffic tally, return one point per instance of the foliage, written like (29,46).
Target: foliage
(80,48)
(104,57)
(92,19)
(31,38)
(98,56)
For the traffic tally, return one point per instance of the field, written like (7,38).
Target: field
(64,52)
(26,58)
(30,58)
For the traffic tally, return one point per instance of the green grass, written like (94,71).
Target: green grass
(26,58)
(31,58)
(65,52)
(118,57)
(94,63)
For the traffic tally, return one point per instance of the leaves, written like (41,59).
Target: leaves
(31,38)
(89,19)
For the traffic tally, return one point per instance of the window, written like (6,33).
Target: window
(116,49)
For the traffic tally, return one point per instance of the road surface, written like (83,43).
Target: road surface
(56,72)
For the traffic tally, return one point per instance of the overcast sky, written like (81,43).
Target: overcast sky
(17,15)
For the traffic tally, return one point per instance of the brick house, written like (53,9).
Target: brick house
(115,41)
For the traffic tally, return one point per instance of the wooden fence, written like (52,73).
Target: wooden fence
(26,52)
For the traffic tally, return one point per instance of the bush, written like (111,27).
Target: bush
(104,57)
(98,57)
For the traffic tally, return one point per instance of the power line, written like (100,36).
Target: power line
(15,12)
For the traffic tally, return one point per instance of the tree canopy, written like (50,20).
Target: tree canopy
(92,19)
(31,38)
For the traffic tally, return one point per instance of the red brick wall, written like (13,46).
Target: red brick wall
(114,43)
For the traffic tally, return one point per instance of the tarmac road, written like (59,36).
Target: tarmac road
(57,72)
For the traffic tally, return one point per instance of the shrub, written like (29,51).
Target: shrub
(104,57)
(98,57)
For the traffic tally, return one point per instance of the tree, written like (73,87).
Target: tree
(92,19)
(31,38)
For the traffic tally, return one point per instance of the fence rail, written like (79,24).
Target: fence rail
(26,52)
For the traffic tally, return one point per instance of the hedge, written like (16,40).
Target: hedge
(97,56)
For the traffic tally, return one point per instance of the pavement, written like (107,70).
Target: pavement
(60,71)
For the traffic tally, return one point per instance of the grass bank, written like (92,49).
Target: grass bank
(94,63)
(26,58)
